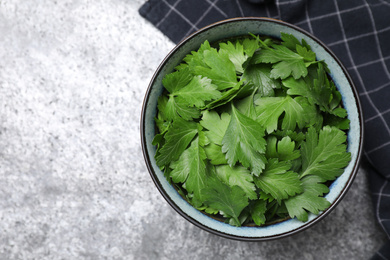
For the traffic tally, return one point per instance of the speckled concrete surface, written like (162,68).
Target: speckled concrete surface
(73,184)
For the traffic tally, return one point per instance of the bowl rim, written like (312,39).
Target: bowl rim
(306,225)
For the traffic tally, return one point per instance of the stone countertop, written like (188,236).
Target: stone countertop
(73,183)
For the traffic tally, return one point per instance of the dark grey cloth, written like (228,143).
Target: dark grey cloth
(357,31)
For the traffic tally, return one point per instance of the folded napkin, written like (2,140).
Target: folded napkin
(357,31)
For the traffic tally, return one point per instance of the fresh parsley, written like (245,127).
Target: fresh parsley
(252,130)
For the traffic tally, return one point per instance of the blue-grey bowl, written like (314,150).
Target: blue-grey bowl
(238,27)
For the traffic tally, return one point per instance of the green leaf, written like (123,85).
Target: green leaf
(177,106)
(220,69)
(275,167)
(216,125)
(269,109)
(244,142)
(271,151)
(279,182)
(259,75)
(285,62)
(197,91)
(191,168)
(312,115)
(340,112)
(290,41)
(208,210)
(307,55)
(239,176)
(257,210)
(230,200)
(285,68)
(165,113)
(325,154)
(336,99)
(265,196)
(250,46)
(305,88)
(297,137)
(235,52)
(303,49)
(172,108)
(177,80)
(286,150)
(315,185)
(177,138)
(158,139)
(264,42)
(309,200)
(341,123)
(247,106)
(318,90)
(230,94)
(161,122)
(196,58)
(214,154)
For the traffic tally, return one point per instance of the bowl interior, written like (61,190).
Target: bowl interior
(233,28)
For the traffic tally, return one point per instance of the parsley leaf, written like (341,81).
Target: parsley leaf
(324,154)
(289,41)
(312,113)
(197,91)
(244,142)
(191,168)
(279,182)
(247,106)
(171,108)
(308,200)
(341,123)
(195,58)
(176,80)
(239,52)
(284,149)
(250,46)
(229,95)
(257,210)
(239,176)
(216,125)
(235,52)
(230,200)
(161,122)
(297,136)
(285,62)
(178,137)
(303,49)
(269,109)
(214,154)
(219,69)
(176,106)
(318,90)
(259,75)
(306,54)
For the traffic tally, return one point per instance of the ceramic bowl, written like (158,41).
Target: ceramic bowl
(233,28)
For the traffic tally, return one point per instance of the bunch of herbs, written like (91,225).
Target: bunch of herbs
(252,130)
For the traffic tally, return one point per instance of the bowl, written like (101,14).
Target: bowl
(233,28)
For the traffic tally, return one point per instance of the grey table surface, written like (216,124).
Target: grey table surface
(73,183)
